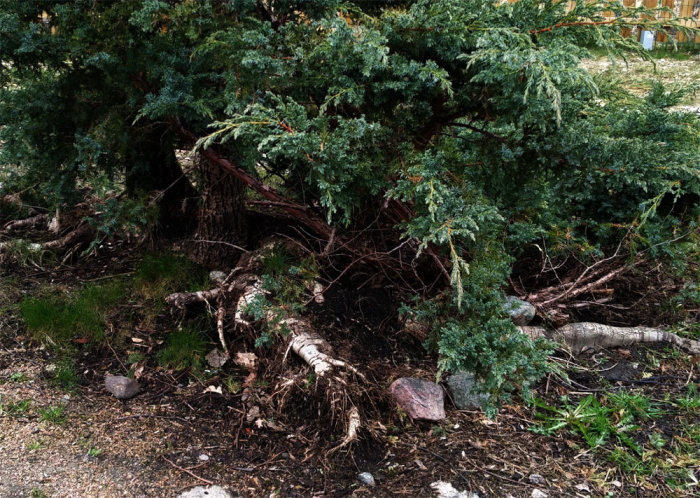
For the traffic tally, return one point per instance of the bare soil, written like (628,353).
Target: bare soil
(637,75)
(152,445)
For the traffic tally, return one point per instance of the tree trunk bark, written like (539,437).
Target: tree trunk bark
(152,167)
(221,228)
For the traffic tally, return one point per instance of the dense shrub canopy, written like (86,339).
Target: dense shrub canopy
(476,115)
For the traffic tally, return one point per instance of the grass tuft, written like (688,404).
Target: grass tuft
(184,349)
(52,414)
(159,274)
(59,320)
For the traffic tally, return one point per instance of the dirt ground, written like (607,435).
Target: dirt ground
(636,75)
(176,434)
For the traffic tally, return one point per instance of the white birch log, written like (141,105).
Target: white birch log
(587,335)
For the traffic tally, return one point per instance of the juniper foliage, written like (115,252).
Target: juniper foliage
(475,113)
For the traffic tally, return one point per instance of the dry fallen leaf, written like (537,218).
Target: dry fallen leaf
(583,487)
(138,372)
(245,360)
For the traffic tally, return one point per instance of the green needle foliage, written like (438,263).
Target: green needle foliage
(476,115)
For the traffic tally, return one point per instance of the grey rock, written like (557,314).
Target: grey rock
(537,479)
(121,387)
(217,358)
(421,399)
(205,492)
(366,478)
(520,312)
(460,385)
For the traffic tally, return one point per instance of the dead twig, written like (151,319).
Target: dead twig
(210,483)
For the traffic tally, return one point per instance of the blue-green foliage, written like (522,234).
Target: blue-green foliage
(475,114)
(473,333)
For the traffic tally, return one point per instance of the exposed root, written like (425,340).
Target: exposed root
(252,290)
(354,422)
(82,234)
(67,244)
(220,312)
(585,335)
(303,339)
(312,348)
(183,299)
(40,221)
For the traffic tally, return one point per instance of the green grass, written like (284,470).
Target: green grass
(598,421)
(94,452)
(36,445)
(184,349)
(134,358)
(159,274)
(15,409)
(611,426)
(37,493)
(66,378)
(681,52)
(19,377)
(58,320)
(52,414)
(691,401)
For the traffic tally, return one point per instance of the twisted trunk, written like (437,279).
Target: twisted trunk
(153,167)
(221,224)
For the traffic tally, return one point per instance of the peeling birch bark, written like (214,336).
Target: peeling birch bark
(251,291)
(587,335)
(353,425)
(312,348)
(80,235)
(83,233)
(38,221)
(183,299)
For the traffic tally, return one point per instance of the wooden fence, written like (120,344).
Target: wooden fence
(682,8)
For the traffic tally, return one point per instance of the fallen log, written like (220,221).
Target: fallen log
(582,336)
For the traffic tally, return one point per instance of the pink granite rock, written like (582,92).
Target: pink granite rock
(421,399)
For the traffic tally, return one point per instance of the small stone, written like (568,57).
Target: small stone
(461,385)
(537,479)
(217,358)
(121,387)
(205,492)
(421,399)
(520,312)
(252,414)
(417,329)
(203,457)
(538,493)
(446,490)
(366,478)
